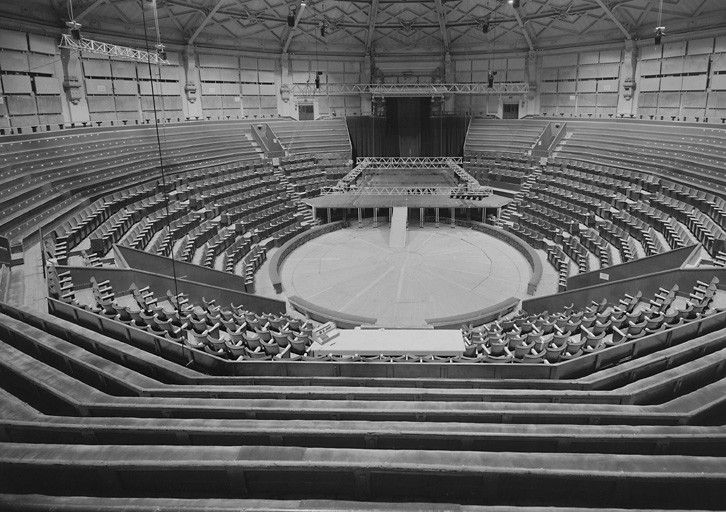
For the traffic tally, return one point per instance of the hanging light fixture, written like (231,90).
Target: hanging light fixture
(75,29)
(291,17)
(73,26)
(160,51)
(485,25)
(660,29)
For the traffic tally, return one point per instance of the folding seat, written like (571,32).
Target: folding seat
(196,340)
(637,329)
(573,348)
(554,352)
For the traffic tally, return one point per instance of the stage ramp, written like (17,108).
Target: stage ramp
(397,237)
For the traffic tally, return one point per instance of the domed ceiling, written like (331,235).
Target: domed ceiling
(385,27)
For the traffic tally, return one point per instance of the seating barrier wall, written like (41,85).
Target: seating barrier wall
(277,259)
(155,264)
(212,364)
(479,317)
(121,280)
(4,282)
(659,262)
(321,314)
(649,284)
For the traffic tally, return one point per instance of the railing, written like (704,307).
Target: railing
(396,162)
(409,90)
(458,192)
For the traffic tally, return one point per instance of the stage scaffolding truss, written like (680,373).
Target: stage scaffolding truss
(111,50)
(409,90)
(468,187)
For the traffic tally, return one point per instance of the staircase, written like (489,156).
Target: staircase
(527,184)
(302,211)
(561,143)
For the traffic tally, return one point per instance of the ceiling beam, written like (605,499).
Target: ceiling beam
(371,23)
(206,20)
(524,30)
(88,9)
(442,25)
(614,19)
(291,32)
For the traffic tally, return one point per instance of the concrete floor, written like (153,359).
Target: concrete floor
(441,271)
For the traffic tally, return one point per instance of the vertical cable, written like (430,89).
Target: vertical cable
(158,145)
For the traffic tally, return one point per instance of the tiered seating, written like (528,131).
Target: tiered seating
(314,137)
(97,422)
(618,207)
(303,176)
(498,169)
(503,135)
(690,154)
(46,176)
(564,335)
(226,332)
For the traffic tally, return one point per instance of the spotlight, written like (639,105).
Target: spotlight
(659,33)
(485,26)
(317,79)
(514,3)
(291,17)
(322,29)
(160,51)
(490,79)
(75,29)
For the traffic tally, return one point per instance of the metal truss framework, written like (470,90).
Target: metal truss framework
(396,162)
(409,90)
(112,50)
(453,192)
(469,188)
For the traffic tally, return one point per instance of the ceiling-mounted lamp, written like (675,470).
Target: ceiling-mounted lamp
(161,51)
(659,33)
(291,17)
(485,26)
(75,29)
(317,79)
(490,79)
(514,3)
(322,29)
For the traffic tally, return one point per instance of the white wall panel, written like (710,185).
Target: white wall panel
(13,40)
(13,61)
(700,46)
(694,83)
(674,49)
(47,85)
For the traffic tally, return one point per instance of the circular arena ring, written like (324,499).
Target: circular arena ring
(445,276)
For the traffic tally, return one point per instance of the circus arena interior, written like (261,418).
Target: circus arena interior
(297,255)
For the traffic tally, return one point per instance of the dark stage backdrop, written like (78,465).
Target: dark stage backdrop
(408,129)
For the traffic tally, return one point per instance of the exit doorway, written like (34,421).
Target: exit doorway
(305,112)
(510,111)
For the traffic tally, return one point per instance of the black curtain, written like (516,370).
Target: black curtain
(408,129)
(412,114)
(444,135)
(371,136)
